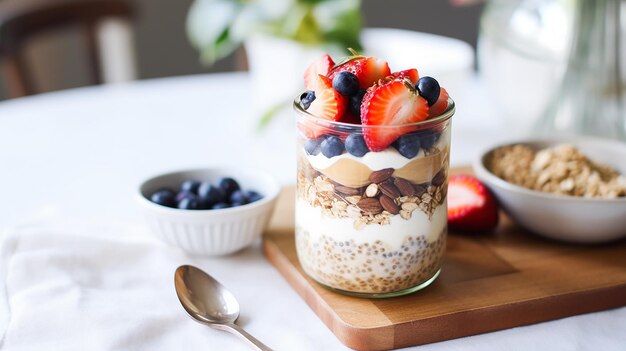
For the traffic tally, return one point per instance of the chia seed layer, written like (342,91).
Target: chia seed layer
(369,267)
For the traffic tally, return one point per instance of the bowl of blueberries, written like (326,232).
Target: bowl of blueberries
(209,211)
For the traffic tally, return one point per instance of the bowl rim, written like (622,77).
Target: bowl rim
(267,198)
(481,169)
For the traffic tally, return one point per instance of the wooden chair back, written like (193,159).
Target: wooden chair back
(22,20)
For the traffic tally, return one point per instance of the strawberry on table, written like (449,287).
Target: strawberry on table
(410,73)
(328,105)
(471,206)
(367,69)
(441,105)
(321,66)
(390,103)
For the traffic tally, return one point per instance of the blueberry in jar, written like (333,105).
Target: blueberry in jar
(312,146)
(408,145)
(429,89)
(346,83)
(332,146)
(355,102)
(428,138)
(355,145)
(306,99)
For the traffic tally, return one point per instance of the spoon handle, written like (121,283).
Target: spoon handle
(252,341)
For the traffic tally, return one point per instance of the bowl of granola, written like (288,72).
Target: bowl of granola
(570,189)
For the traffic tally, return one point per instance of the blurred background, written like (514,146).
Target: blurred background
(162,48)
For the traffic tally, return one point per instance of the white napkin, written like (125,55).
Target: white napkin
(112,288)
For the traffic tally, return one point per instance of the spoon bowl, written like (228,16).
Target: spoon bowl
(209,302)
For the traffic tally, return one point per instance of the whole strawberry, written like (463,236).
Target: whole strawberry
(471,206)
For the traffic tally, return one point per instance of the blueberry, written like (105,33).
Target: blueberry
(332,146)
(228,185)
(236,204)
(312,146)
(164,197)
(183,194)
(239,196)
(306,99)
(254,196)
(210,194)
(355,102)
(355,145)
(346,83)
(408,145)
(189,203)
(428,138)
(429,89)
(220,205)
(190,186)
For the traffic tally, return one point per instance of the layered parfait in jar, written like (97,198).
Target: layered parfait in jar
(373,156)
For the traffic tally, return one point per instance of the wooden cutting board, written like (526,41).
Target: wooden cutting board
(488,282)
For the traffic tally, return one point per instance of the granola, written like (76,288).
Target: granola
(562,170)
(371,204)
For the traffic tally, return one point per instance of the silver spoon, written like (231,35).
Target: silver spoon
(209,302)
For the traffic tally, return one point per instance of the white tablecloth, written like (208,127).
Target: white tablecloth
(80,154)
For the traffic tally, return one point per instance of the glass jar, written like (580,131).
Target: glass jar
(555,67)
(375,225)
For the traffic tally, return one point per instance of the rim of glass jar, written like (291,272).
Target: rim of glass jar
(425,124)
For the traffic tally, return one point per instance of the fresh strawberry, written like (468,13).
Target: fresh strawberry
(390,103)
(471,206)
(441,105)
(328,105)
(320,66)
(411,73)
(368,69)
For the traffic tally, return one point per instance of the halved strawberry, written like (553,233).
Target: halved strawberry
(471,206)
(368,69)
(328,105)
(392,103)
(441,105)
(410,73)
(321,66)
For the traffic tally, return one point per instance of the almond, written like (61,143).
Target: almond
(346,190)
(405,187)
(371,190)
(381,175)
(439,178)
(420,189)
(390,190)
(370,205)
(389,205)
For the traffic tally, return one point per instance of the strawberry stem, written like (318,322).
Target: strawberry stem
(353,52)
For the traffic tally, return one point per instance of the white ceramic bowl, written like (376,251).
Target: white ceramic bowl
(566,218)
(210,232)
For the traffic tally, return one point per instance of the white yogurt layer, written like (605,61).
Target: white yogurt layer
(342,229)
(388,158)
